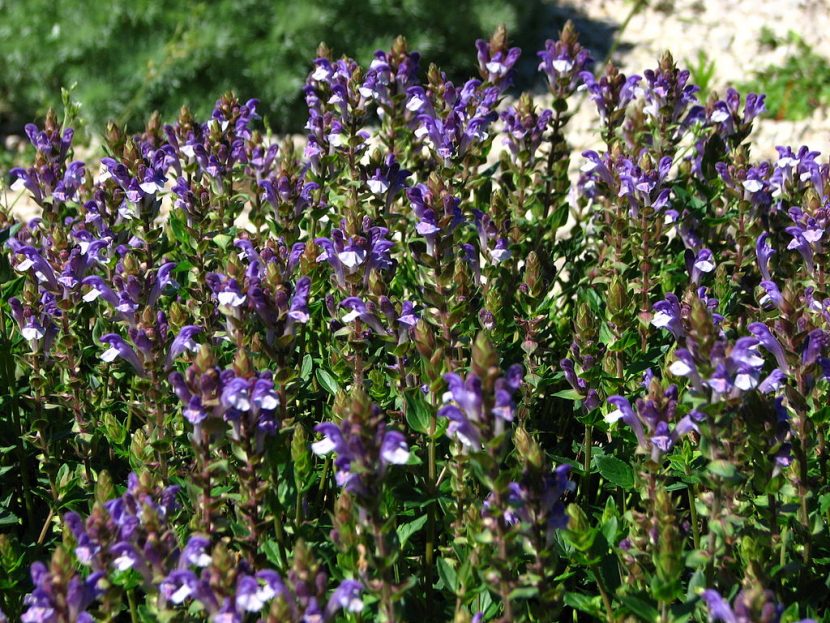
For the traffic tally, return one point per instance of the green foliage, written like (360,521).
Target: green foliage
(130,57)
(702,70)
(796,87)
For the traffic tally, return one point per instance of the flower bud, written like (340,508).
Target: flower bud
(527,447)
(617,298)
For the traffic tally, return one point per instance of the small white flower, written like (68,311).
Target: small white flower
(745,381)
(123,562)
(378,187)
(613,416)
(562,65)
(661,319)
(181,594)
(705,266)
(680,368)
(110,354)
(415,103)
(322,447)
(719,116)
(32,332)
(753,186)
(352,259)
(229,297)
(91,295)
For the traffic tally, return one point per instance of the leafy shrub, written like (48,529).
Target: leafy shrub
(130,57)
(399,376)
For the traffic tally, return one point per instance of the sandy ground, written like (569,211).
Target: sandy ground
(729,33)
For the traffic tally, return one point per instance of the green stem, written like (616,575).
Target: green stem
(693,512)
(606,598)
(586,461)
(429,551)
(133,609)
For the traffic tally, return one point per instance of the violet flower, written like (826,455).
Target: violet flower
(770,343)
(700,263)
(495,61)
(749,605)
(471,422)
(563,61)
(345,597)
(119,348)
(184,341)
(364,312)
(652,418)
(364,451)
(667,315)
(763,252)
(52,596)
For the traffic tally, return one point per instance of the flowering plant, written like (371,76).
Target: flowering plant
(400,373)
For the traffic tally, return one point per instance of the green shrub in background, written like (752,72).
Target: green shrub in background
(130,57)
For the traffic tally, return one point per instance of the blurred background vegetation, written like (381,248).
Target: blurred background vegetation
(130,57)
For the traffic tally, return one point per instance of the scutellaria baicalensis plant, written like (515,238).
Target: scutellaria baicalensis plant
(429,365)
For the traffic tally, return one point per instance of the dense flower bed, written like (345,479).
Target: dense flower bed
(397,376)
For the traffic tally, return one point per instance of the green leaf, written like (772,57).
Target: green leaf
(179,228)
(222,241)
(524,592)
(305,371)
(417,412)
(724,469)
(583,603)
(568,394)
(447,575)
(327,381)
(642,609)
(272,552)
(615,471)
(405,531)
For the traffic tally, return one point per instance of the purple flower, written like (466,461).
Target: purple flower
(42,269)
(768,341)
(800,244)
(524,129)
(667,315)
(764,251)
(669,99)
(195,553)
(702,262)
(685,366)
(563,62)
(651,419)
(394,450)
(773,294)
(184,341)
(719,609)
(817,342)
(345,597)
(52,595)
(363,312)
(611,93)
(253,592)
(495,61)
(178,586)
(364,451)
(464,407)
(119,348)
(299,301)
(99,288)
